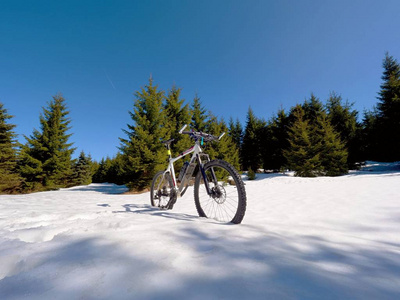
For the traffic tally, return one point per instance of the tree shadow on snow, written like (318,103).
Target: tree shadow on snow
(298,267)
(104,188)
(378,168)
(262,176)
(87,268)
(221,263)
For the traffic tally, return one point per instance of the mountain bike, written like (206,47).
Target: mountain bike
(219,191)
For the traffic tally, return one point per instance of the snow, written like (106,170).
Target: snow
(301,238)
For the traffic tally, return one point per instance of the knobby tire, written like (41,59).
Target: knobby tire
(228,200)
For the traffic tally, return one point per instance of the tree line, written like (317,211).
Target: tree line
(158,116)
(312,138)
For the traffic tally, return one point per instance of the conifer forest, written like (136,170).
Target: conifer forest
(313,138)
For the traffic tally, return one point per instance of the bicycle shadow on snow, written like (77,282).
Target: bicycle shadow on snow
(154,211)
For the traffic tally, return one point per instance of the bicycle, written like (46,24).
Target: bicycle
(219,191)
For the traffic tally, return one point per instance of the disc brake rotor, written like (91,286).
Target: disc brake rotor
(219,194)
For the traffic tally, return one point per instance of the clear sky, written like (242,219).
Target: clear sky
(233,54)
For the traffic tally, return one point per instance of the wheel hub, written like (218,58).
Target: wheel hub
(219,194)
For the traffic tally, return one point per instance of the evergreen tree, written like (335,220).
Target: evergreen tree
(111,170)
(303,156)
(10,180)
(333,153)
(82,170)
(252,142)
(276,141)
(142,151)
(315,147)
(235,131)
(344,121)
(207,122)
(94,168)
(176,116)
(388,122)
(368,138)
(312,108)
(117,169)
(199,115)
(46,157)
(102,173)
(326,141)
(225,148)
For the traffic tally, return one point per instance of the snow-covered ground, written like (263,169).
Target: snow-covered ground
(301,238)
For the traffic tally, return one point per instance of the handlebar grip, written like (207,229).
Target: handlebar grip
(182,129)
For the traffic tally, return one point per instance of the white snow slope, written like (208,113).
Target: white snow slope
(301,238)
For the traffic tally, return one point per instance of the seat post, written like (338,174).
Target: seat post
(167,145)
(169,150)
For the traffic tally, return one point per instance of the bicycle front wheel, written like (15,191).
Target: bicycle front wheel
(226,201)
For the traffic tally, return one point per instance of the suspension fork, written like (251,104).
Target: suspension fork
(203,173)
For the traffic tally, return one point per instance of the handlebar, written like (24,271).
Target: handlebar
(198,134)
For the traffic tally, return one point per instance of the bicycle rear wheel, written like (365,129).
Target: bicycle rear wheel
(161,189)
(227,202)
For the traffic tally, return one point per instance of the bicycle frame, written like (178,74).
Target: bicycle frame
(196,150)
(171,170)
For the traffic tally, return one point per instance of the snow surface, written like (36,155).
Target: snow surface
(301,238)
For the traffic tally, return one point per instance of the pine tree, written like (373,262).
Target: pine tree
(111,170)
(333,153)
(94,168)
(176,116)
(10,180)
(235,131)
(312,108)
(46,157)
(252,142)
(276,141)
(344,121)
(315,147)
(303,155)
(390,88)
(225,148)
(116,173)
(199,115)
(388,122)
(101,174)
(368,138)
(82,170)
(142,151)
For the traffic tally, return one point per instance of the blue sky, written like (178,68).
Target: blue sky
(233,54)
